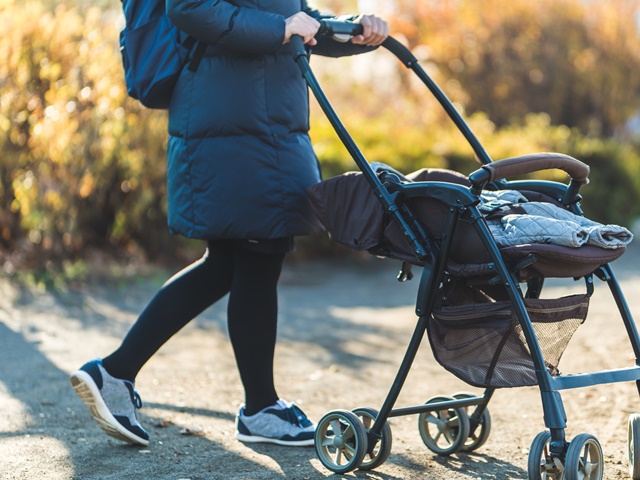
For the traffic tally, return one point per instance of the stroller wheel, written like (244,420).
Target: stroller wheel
(584,459)
(381,450)
(444,431)
(541,466)
(634,446)
(340,441)
(478,435)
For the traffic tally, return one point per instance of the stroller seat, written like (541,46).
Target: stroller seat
(349,210)
(550,261)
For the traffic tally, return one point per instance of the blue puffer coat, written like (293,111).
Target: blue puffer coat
(240,157)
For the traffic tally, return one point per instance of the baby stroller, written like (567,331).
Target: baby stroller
(478,302)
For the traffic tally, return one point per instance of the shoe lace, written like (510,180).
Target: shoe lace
(298,417)
(136,400)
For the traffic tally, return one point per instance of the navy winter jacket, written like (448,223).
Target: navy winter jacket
(239,153)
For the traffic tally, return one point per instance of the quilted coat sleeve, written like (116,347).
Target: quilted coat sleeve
(249,31)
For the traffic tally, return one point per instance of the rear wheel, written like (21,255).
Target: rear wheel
(444,431)
(340,441)
(376,456)
(478,435)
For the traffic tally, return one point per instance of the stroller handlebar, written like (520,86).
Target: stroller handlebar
(510,167)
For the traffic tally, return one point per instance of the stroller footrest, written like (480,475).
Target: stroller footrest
(565,382)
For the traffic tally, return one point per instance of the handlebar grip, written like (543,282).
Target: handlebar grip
(400,51)
(327,28)
(339,27)
(578,171)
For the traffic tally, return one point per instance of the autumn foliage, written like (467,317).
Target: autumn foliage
(83,166)
(574,60)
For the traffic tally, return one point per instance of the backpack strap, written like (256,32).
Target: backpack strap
(189,42)
(201,47)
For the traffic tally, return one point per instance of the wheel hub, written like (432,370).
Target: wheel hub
(338,442)
(587,469)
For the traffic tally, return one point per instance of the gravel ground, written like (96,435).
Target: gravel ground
(343,331)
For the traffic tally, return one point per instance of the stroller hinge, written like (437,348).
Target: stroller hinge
(495,280)
(589,282)
(529,259)
(602,274)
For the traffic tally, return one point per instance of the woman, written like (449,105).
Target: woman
(240,159)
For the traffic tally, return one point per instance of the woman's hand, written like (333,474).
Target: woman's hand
(375,31)
(303,25)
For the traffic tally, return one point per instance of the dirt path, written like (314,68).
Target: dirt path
(343,331)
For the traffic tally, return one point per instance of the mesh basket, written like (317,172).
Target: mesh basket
(482,342)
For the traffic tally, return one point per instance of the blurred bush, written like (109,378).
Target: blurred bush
(83,166)
(574,60)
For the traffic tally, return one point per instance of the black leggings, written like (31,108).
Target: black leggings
(251,280)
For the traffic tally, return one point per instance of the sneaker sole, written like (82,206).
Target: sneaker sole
(288,443)
(89,393)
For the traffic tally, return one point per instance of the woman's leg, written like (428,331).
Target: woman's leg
(182,298)
(252,320)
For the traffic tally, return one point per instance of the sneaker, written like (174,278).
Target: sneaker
(112,402)
(282,423)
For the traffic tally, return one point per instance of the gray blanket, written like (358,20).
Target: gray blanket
(546,223)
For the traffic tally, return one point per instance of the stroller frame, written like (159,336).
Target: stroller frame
(551,455)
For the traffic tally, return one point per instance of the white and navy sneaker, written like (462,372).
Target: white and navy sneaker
(282,423)
(112,402)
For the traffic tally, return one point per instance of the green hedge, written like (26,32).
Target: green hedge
(396,138)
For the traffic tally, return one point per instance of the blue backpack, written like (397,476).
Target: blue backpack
(152,54)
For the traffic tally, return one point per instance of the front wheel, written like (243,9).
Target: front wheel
(584,459)
(634,446)
(541,465)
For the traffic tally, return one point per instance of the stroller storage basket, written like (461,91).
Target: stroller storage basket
(483,343)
